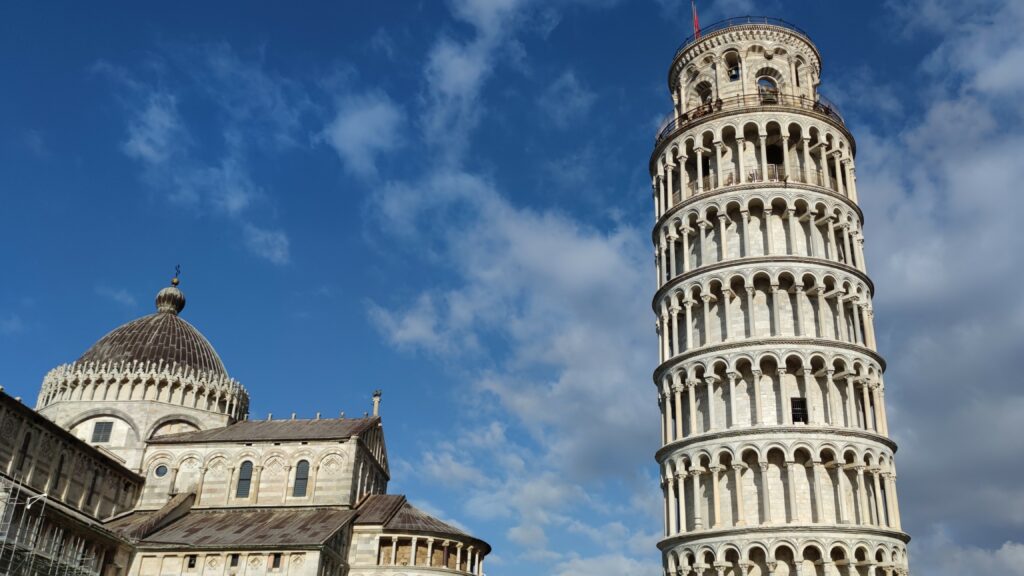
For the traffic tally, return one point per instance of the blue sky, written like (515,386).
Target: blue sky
(449,201)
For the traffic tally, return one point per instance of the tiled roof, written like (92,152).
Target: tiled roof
(412,519)
(275,527)
(161,337)
(394,513)
(379,508)
(267,430)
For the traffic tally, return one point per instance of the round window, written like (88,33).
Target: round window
(161,471)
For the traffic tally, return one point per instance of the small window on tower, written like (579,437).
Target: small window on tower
(799,410)
(191,559)
(275,561)
(101,431)
(233,561)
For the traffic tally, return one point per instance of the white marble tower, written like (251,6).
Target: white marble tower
(776,458)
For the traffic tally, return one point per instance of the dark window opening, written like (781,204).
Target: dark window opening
(233,560)
(92,490)
(101,431)
(57,474)
(275,560)
(161,471)
(301,478)
(244,480)
(799,410)
(191,560)
(23,453)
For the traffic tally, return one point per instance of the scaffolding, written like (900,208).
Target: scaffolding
(32,546)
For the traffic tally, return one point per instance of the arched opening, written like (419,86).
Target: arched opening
(732,65)
(244,480)
(301,479)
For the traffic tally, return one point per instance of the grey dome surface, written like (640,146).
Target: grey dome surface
(158,337)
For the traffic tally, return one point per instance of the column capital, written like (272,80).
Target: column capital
(763,466)
(739,467)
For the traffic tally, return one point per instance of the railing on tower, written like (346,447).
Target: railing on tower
(738,21)
(775,173)
(821,106)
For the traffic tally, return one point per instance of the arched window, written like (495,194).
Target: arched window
(57,474)
(23,453)
(796,72)
(703,91)
(768,89)
(732,65)
(301,478)
(244,480)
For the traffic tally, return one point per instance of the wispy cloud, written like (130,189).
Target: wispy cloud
(11,324)
(118,295)
(253,110)
(365,126)
(566,101)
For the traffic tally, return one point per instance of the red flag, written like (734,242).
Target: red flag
(696,22)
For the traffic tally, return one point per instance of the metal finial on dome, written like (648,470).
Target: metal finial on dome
(171,299)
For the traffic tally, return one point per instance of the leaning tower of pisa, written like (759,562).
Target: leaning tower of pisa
(775,456)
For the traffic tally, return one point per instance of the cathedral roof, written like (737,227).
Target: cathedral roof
(279,527)
(163,337)
(395,513)
(268,430)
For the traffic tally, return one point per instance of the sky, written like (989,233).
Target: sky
(449,201)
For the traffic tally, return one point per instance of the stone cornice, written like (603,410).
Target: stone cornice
(747,112)
(766,433)
(755,264)
(745,32)
(780,529)
(774,342)
(741,188)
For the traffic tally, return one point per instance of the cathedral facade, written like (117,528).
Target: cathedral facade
(775,457)
(139,459)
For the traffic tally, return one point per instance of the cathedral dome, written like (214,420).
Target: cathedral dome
(163,337)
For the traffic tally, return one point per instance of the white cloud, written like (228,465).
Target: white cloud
(566,101)
(269,244)
(364,127)
(155,132)
(118,295)
(607,565)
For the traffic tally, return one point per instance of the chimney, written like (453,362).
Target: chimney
(376,402)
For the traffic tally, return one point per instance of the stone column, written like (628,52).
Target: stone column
(691,388)
(666,426)
(706,298)
(681,488)
(823,154)
(787,406)
(740,145)
(844,335)
(869,423)
(686,249)
(833,248)
(665,492)
(879,504)
(412,555)
(830,418)
(776,313)
(750,312)
(851,402)
(672,523)
(394,550)
(733,377)
(785,157)
(764,158)
(689,324)
(862,500)
(698,522)
(894,503)
(741,513)
(819,498)
(855,308)
(700,169)
(669,194)
(710,381)
(727,309)
(745,231)
(807,161)
(813,418)
(799,305)
(770,235)
(677,390)
(716,501)
(766,499)
(758,415)
(671,253)
(791,490)
(839,174)
(791,222)
(673,311)
(173,479)
(841,481)
(430,552)
(718,183)
(684,177)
